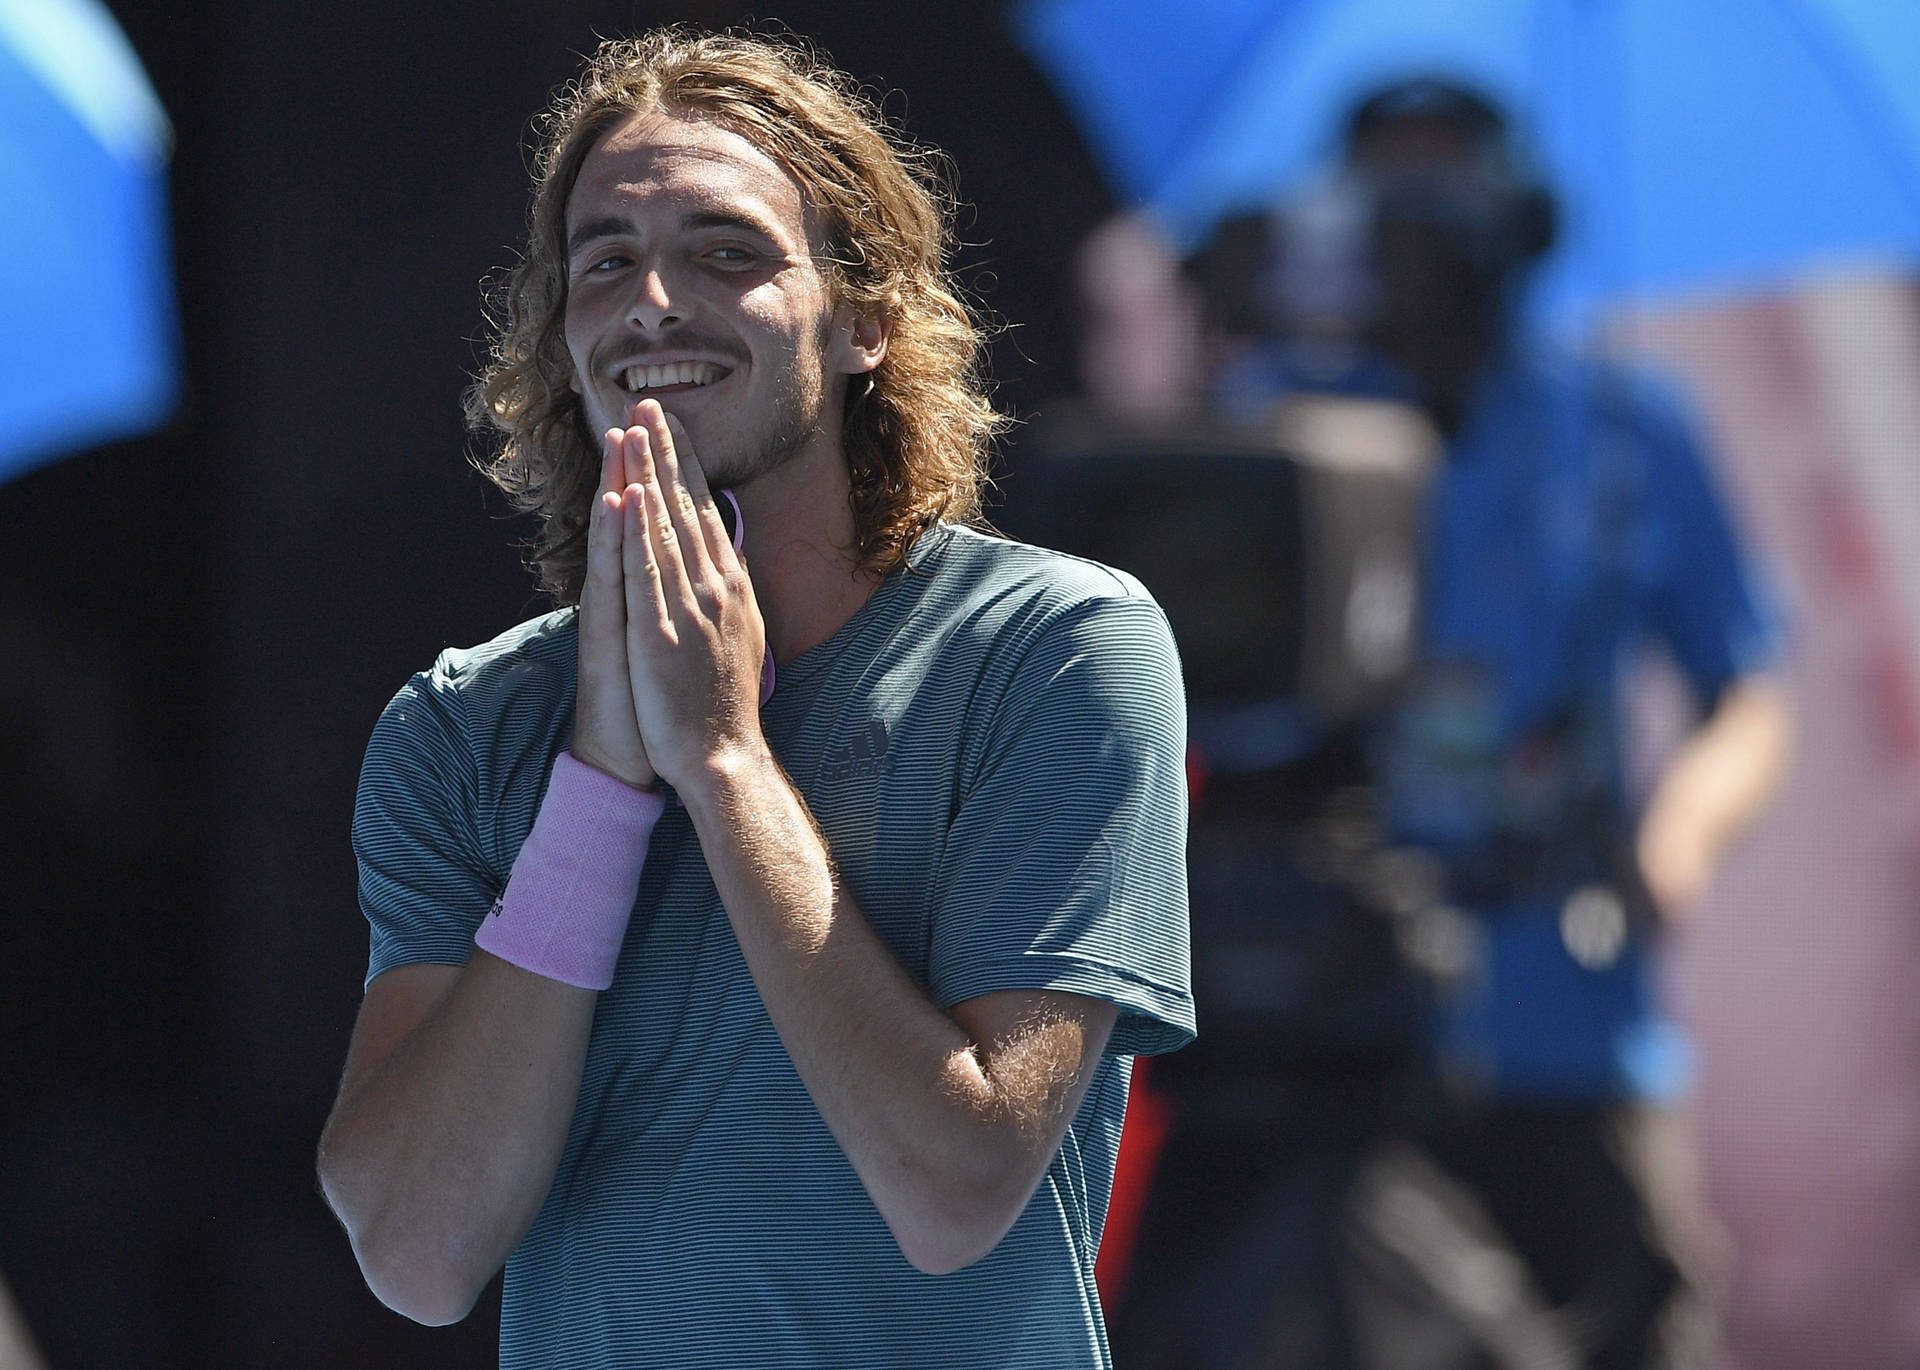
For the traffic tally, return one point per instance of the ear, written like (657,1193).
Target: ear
(859,342)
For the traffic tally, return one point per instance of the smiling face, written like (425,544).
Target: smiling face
(693,277)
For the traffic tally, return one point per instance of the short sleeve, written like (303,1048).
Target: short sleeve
(1706,600)
(424,885)
(1065,866)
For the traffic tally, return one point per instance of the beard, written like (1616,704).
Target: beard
(797,418)
(798,410)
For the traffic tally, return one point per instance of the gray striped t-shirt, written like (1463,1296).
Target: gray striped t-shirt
(993,747)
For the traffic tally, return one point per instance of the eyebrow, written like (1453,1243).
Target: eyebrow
(611,226)
(614,225)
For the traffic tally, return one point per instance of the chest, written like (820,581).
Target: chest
(1540,532)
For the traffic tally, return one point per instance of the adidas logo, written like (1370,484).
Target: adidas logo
(860,757)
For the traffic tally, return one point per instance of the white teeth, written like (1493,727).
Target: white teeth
(637,378)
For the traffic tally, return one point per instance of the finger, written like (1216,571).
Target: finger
(600,592)
(645,603)
(612,462)
(676,495)
(637,456)
(603,611)
(606,732)
(602,608)
(719,545)
(691,471)
(669,554)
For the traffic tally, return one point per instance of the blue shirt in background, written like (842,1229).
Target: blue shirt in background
(1572,524)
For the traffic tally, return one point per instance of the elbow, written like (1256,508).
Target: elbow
(429,1303)
(943,1261)
(432,1291)
(944,1252)
(952,1230)
(401,1269)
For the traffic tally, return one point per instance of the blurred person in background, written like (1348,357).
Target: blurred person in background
(1572,523)
(1141,359)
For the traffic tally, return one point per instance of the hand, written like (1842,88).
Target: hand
(606,732)
(695,639)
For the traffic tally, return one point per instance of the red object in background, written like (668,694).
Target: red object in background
(1197,774)
(1857,563)
(1149,1119)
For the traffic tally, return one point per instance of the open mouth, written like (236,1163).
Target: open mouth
(671,378)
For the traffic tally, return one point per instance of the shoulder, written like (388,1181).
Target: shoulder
(534,658)
(1019,620)
(469,693)
(1635,394)
(524,649)
(968,568)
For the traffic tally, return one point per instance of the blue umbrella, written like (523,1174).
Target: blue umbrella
(1695,144)
(88,332)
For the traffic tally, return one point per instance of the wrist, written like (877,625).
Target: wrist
(565,910)
(730,777)
(635,775)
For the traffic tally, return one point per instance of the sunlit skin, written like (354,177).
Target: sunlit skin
(688,247)
(1713,789)
(688,244)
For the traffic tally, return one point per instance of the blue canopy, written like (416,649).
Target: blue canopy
(88,331)
(1696,144)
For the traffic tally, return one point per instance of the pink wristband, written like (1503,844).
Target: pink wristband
(566,906)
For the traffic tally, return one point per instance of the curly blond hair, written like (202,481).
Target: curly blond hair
(916,442)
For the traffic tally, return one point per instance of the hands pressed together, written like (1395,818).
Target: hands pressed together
(671,639)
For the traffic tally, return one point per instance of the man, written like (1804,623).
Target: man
(896,927)
(1572,524)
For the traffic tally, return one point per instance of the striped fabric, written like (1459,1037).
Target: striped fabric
(993,748)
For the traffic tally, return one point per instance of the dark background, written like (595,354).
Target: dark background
(198,629)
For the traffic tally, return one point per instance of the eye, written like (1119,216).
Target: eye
(602,266)
(729,254)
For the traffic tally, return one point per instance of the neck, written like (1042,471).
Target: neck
(1446,376)
(799,550)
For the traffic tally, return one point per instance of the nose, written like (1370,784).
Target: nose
(653,306)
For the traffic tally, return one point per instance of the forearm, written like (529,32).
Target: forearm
(948,1139)
(437,1159)
(1714,788)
